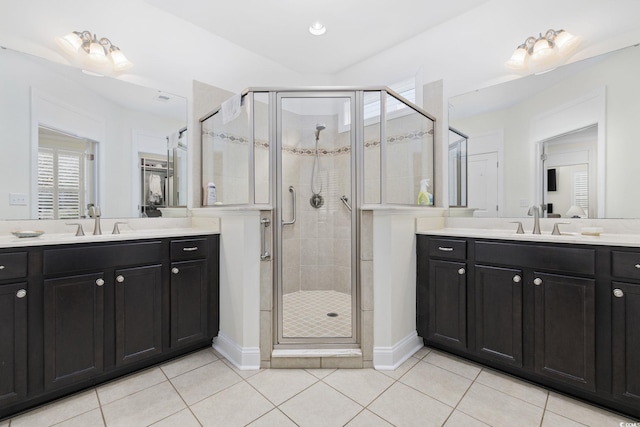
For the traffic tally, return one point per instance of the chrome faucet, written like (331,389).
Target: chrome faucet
(535,210)
(94,212)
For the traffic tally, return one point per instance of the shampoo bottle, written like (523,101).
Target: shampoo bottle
(424,197)
(211,194)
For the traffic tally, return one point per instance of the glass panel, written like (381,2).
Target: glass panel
(316,286)
(409,155)
(177,180)
(372,112)
(457,169)
(261,146)
(225,159)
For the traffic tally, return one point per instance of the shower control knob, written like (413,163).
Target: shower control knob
(175,270)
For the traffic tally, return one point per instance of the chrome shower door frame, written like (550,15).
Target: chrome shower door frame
(281,342)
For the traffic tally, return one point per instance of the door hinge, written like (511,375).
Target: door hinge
(543,156)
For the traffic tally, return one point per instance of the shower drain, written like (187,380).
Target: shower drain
(332,314)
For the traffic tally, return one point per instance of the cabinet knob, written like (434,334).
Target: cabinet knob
(99,282)
(21,293)
(461,271)
(175,270)
(618,293)
(517,278)
(537,281)
(119,278)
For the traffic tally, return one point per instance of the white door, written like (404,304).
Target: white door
(482,177)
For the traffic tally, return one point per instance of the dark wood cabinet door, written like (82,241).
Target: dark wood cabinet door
(13,343)
(498,314)
(564,324)
(626,342)
(188,302)
(138,313)
(73,329)
(447,316)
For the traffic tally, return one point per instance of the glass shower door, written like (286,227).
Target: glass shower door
(316,280)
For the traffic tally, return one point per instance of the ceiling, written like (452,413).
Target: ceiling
(236,44)
(278,29)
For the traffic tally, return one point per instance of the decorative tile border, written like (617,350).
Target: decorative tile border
(264,144)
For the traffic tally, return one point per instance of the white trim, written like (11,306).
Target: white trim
(243,358)
(390,358)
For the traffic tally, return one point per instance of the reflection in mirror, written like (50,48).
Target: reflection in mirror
(457,168)
(510,123)
(570,168)
(120,119)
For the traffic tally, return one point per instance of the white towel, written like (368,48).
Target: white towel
(155,188)
(173,140)
(231,108)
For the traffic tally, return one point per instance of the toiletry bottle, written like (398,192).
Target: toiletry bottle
(211,194)
(424,197)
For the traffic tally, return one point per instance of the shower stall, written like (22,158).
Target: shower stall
(316,159)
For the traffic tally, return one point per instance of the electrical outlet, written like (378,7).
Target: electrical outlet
(17,199)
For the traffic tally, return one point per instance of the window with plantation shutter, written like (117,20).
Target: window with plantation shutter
(581,190)
(65,175)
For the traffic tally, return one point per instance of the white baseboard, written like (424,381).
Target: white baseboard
(390,358)
(243,358)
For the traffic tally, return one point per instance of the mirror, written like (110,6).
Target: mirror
(512,127)
(49,110)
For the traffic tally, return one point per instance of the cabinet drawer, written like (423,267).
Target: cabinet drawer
(188,249)
(448,248)
(549,258)
(98,258)
(13,265)
(625,264)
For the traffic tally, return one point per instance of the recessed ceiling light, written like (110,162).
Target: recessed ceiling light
(317,29)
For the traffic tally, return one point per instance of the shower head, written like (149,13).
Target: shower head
(319,127)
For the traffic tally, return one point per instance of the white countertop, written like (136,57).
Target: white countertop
(11,241)
(608,239)
(58,232)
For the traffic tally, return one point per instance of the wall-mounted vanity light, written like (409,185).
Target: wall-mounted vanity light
(543,52)
(96,54)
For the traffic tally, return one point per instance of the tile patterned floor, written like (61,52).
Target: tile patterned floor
(429,389)
(304,314)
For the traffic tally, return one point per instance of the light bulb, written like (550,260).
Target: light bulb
(73,41)
(519,59)
(566,41)
(96,51)
(120,62)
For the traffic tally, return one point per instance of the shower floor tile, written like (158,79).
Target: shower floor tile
(305,314)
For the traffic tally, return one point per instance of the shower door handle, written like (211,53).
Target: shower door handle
(293,195)
(264,255)
(345,201)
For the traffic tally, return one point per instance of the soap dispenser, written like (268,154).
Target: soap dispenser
(424,197)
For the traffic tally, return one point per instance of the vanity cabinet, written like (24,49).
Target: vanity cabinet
(138,313)
(13,336)
(562,315)
(96,311)
(498,314)
(73,329)
(625,305)
(189,291)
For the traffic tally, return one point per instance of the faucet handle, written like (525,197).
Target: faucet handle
(520,229)
(556,230)
(79,231)
(116,230)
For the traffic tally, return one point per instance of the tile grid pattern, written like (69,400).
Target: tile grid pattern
(304,314)
(430,388)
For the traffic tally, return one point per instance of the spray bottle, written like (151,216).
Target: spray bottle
(424,197)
